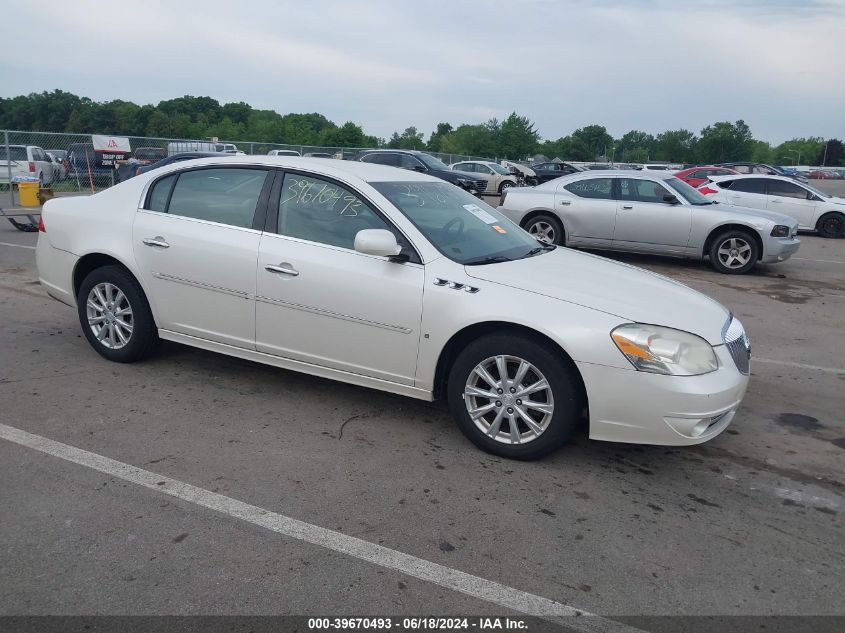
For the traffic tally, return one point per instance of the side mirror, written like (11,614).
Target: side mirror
(380,242)
(670,199)
(420,168)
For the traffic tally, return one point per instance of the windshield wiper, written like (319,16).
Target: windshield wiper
(540,249)
(496,259)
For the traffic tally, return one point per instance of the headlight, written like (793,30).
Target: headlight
(464,182)
(663,350)
(780,230)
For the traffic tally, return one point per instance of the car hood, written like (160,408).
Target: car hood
(757,214)
(622,290)
(835,200)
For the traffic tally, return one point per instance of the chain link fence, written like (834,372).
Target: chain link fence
(68,164)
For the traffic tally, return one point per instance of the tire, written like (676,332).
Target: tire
(734,252)
(546,228)
(831,225)
(505,184)
(553,427)
(141,335)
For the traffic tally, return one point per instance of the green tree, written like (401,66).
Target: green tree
(634,147)
(677,146)
(798,151)
(832,153)
(347,135)
(725,141)
(436,139)
(515,138)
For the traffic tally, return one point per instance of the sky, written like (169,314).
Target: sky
(649,65)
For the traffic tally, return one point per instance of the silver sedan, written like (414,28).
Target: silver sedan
(650,213)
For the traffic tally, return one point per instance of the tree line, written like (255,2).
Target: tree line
(515,137)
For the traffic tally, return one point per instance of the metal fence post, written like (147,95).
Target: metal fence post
(9,167)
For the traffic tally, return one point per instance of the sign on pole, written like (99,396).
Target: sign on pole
(110,148)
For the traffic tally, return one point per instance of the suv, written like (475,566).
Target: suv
(26,161)
(498,178)
(84,161)
(425,163)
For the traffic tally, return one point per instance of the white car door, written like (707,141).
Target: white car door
(793,200)
(647,221)
(320,301)
(195,240)
(746,192)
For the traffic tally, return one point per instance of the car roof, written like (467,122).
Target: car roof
(368,172)
(747,176)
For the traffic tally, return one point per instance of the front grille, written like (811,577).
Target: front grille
(480,185)
(738,345)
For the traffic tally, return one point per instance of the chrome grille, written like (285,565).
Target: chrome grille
(480,185)
(738,345)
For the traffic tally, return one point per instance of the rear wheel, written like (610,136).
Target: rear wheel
(831,225)
(734,252)
(512,396)
(115,315)
(545,228)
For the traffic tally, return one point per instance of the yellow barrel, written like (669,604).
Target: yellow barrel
(29,194)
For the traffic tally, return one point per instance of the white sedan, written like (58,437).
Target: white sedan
(397,281)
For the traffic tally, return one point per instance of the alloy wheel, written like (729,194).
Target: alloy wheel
(543,231)
(734,252)
(509,400)
(109,315)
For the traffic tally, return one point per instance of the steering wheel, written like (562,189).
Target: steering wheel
(459,222)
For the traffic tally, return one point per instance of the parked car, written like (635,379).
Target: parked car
(26,161)
(825,174)
(398,281)
(176,158)
(650,212)
(697,176)
(60,157)
(283,152)
(426,164)
(524,174)
(86,165)
(498,178)
(149,155)
(549,171)
(813,209)
(57,170)
(184,147)
(318,155)
(655,167)
(762,168)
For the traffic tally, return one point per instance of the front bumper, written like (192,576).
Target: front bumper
(779,249)
(643,408)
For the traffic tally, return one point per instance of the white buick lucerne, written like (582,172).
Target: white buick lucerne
(398,281)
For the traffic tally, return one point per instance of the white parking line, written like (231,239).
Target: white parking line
(453,579)
(786,363)
(32,248)
(823,261)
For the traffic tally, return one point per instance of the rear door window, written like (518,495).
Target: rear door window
(226,195)
(598,188)
(749,185)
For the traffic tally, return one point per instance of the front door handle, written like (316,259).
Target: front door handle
(157,241)
(777,201)
(627,206)
(282,269)
(566,202)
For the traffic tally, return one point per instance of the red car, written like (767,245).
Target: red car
(697,176)
(823,174)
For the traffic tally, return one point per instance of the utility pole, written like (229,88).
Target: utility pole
(824,160)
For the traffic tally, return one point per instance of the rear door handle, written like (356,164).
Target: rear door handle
(157,241)
(566,202)
(627,206)
(777,201)
(282,269)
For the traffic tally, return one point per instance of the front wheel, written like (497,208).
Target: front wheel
(734,253)
(545,228)
(513,397)
(115,315)
(506,184)
(831,225)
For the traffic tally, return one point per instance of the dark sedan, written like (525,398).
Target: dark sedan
(549,171)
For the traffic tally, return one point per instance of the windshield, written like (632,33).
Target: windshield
(431,162)
(691,194)
(458,224)
(498,169)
